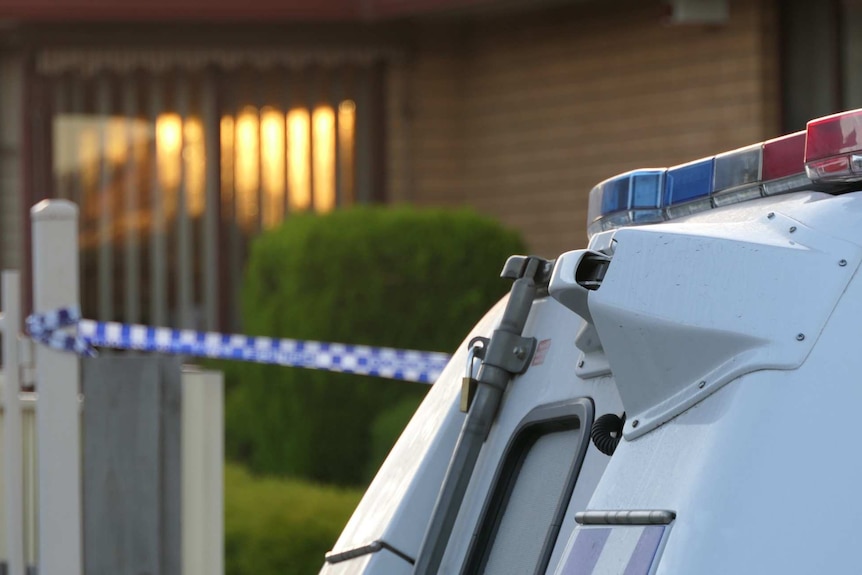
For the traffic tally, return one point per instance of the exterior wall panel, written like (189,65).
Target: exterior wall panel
(153,10)
(11,90)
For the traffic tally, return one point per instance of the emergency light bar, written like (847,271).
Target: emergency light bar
(833,149)
(824,157)
(630,198)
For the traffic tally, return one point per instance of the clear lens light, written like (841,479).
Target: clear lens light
(737,168)
(737,176)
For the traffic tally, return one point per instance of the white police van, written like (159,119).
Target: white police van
(680,397)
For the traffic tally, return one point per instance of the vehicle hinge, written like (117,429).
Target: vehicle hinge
(510,351)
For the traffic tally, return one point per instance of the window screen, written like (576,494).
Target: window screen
(523,515)
(177,160)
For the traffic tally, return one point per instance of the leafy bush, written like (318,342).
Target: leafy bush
(278,526)
(386,428)
(397,277)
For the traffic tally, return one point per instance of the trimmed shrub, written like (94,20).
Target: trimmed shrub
(397,277)
(281,527)
(386,428)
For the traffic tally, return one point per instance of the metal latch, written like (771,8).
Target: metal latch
(469,383)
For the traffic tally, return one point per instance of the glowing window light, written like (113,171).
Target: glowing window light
(67,145)
(116,140)
(346,142)
(88,160)
(88,157)
(247,166)
(120,148)
(169,141)
(324,158)
(272,127)
(227,167)
(194,157)
(136,214)
(298,157)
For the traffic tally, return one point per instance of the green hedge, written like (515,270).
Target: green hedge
(280,527)
(396,277)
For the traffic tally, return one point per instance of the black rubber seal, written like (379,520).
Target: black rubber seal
(607,431)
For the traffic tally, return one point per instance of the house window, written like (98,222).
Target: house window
(176,171)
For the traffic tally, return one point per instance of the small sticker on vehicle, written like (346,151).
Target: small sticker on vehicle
(541,352)
(617,550)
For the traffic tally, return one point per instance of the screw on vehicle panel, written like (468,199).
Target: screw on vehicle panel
(635,423)
(842,263)
(581,363)
(770,215)
(792,229)
(800,336)
(519,352)
(701,385)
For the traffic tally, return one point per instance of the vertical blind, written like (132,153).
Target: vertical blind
(175,168)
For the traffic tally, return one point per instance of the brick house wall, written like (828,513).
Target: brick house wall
(519,116)
(426,138)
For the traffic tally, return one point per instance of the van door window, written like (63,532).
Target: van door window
(534,483)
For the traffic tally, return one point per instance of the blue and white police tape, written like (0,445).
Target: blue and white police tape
(403,364)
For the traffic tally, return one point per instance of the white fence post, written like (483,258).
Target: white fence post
(55,285)
(13,462)
(202,472)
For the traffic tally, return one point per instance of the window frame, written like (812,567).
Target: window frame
(539,421)
(361,80)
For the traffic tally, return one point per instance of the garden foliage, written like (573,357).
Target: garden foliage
(399,277)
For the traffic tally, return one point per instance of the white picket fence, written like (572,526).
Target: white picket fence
(18,479)
(40,471)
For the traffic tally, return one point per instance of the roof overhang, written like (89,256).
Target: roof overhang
(251,10)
